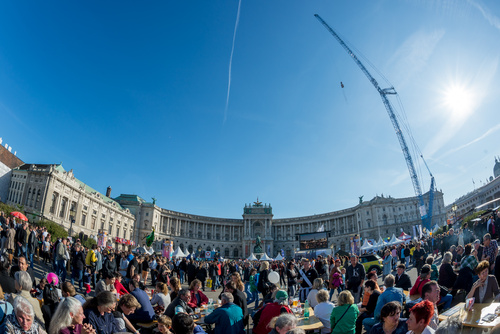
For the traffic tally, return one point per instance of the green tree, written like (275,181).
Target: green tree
(7,209)
(56,231)
(86,243)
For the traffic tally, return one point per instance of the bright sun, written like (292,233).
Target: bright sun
(459,100)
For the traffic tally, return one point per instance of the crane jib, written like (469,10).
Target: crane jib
(425,217)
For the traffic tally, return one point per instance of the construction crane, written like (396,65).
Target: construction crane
(426,218)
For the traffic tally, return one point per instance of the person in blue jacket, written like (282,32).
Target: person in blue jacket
(144,314)
(228,318)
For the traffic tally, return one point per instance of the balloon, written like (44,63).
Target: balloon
(273,277)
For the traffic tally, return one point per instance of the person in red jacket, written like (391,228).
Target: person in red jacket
(120,289)
(263,316)
(425,273)
(198,298)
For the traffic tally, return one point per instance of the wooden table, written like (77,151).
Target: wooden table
(311,324)
(410,297)
(473,319)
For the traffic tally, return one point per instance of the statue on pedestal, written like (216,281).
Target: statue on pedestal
(258,245)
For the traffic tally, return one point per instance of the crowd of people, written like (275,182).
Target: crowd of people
(115,291)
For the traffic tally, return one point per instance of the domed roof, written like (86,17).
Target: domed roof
(496,169)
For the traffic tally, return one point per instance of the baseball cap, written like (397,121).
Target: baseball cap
(281,295)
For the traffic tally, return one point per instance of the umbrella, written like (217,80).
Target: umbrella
(19,215)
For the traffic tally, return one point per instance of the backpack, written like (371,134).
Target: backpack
(256,279)
(50,295)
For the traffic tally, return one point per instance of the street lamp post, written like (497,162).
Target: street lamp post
(72,214)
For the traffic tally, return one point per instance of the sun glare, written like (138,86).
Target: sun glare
(459,100)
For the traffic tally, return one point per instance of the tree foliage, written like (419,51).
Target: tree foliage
(87,243)
(56,231)
(7,209)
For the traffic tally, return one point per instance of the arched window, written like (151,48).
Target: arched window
(182,247)
(226,252)
(235,252)
(190,248)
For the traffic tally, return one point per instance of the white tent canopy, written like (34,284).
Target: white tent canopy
(143,250)
(265,258)
(279,257)
(380,243)
(178,253)
(366,245)
(252,258)
(394,241)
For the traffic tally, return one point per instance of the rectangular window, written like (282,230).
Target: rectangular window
(118,231)
(63,207)
(93,223)
(53,204)
(110,230)
(84,217)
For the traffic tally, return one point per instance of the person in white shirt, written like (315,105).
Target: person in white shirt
(323,310)
(317,286)
(420,316)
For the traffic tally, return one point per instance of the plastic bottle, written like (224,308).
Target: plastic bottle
(179,309)
(210,308)
(306,310)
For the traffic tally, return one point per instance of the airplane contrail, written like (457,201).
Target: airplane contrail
(231,61)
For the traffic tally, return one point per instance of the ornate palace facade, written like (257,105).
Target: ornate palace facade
(53,193)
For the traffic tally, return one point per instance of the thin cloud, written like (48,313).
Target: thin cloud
(412,56)
(231,61)
(486,134)
(492,19)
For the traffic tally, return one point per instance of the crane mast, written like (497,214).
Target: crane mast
(388,106)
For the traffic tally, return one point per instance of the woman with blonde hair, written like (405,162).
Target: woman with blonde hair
(317,286)
(263,283)
(323,310)
(68,319)
(236,279)
(343,317)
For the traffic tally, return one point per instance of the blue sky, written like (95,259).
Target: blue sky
(133,95)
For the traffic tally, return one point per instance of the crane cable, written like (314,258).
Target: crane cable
(400,112)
